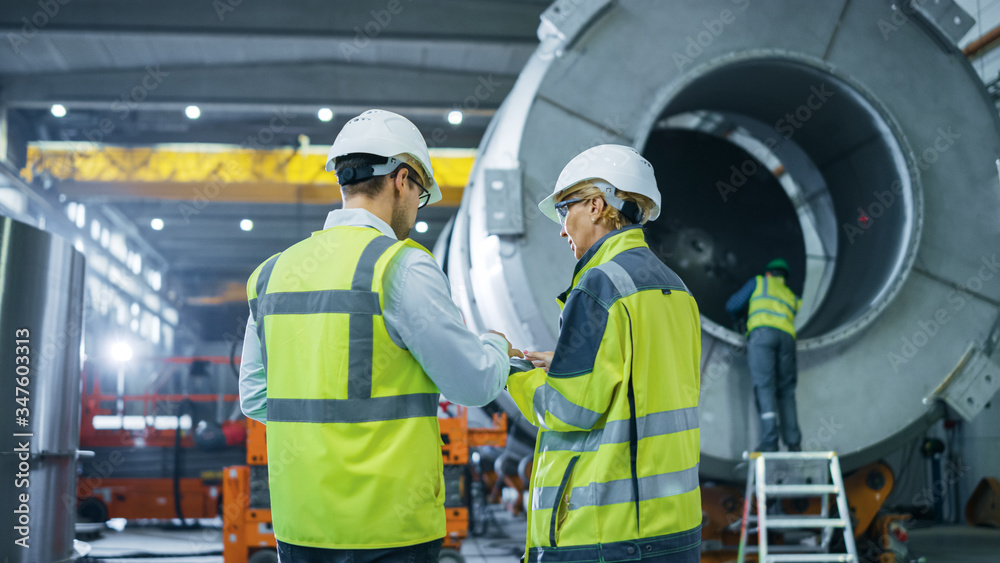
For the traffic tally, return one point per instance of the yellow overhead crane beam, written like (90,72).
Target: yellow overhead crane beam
(202,173)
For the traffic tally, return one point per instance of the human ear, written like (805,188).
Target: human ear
(399,181)
(596,207)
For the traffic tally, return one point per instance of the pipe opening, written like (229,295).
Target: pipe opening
(773,158)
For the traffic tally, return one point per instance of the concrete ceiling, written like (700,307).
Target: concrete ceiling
(259,71)
(139,65)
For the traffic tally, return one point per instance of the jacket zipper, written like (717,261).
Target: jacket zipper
(633,442)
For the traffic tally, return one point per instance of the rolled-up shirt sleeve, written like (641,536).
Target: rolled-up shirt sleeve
(253,380)
(469,370)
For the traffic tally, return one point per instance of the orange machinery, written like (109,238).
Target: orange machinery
(116,483)
(249,537)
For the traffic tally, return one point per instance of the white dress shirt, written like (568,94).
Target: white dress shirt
(419,316)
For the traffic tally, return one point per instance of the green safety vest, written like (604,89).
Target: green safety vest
(615,469)
(353,442)
(773,304)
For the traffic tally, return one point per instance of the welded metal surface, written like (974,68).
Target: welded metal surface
(891,228)
(41,292)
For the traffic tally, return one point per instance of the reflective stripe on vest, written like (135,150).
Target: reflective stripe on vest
(262,279)
(562,408)
(361,303)
(768,308)
(362,338)
(617,431)
(619,491)
(353,410)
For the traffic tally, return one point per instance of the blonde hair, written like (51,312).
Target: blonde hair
(610,217)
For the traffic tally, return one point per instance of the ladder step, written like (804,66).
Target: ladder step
(842,557)
(791,455)
(796,549)
(805,522)
(800,490)
(808,524)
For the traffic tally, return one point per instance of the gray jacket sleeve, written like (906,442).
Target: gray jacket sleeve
(253,380)
(469,370)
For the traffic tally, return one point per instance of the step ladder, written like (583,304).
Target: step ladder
(758,487)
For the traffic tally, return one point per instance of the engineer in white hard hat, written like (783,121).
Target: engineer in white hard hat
(615,471)
(351,340)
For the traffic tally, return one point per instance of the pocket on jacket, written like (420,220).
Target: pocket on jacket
(561,509)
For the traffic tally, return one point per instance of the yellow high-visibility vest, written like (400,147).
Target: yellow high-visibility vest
(615,472)
(353,441)
(773,304)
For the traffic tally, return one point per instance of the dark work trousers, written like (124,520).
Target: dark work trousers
(420,553)
(771,355)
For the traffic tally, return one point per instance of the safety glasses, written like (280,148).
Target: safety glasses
(425,196)
(562,209)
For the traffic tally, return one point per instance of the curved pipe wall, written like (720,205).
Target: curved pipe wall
(864,157)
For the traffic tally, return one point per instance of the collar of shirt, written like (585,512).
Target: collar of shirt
(357,218)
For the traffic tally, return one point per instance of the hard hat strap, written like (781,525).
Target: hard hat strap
(349,176)
(632,212)
(629,209)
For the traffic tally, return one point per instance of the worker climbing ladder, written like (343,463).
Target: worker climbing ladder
(758,486)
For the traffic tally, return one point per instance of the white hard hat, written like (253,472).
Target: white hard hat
(388,134)
(609,167)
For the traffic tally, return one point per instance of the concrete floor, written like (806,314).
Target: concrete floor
(141,539)
(502,543)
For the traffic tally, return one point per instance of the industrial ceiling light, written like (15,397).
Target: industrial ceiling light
(325,114)
(156,224)
(455,117)
(421,226)
(246,225)
(192,112)
(58,110)
(121,352)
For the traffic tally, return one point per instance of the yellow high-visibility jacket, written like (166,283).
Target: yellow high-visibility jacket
(773,304)
(353,441)
(615,473)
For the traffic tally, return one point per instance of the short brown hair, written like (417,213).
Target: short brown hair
(369,188)
(610,217)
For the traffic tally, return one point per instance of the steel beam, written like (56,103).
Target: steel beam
(198,176)
(440,20)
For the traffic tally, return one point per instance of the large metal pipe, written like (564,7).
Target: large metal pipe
(852,138)
(41,304)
